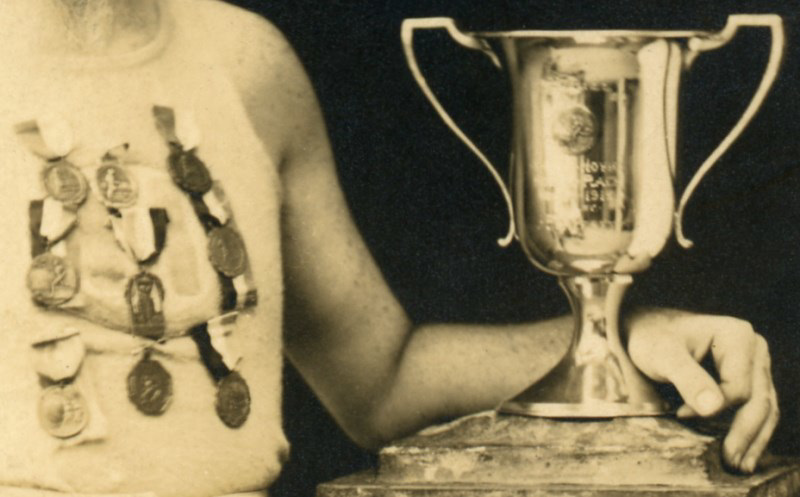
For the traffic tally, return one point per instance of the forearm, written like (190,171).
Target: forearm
(450,370)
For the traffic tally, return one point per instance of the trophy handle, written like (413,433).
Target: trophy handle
(473,43)
(698,45)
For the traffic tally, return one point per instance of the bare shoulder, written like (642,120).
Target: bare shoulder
(251,45)
(266,71)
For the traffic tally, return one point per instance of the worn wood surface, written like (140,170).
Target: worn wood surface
(497,455)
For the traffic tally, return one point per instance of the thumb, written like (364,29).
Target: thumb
(676,365)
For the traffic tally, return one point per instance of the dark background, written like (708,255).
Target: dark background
(431,214)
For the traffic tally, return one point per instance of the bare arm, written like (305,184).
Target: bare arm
(378,374)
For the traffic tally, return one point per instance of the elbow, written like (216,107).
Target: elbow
(368,428)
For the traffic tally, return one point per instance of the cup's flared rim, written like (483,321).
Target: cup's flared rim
(591,34)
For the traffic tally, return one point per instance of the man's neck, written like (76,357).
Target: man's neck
(87,26)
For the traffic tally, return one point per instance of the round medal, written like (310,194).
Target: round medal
(233,400)
(52,280)
(226,251)
(63,412)
(65,183)
(189,172)
(116,187)
(150,387)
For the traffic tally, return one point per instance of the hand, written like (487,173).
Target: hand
(667,346)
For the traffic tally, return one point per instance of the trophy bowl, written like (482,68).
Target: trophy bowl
(591,197)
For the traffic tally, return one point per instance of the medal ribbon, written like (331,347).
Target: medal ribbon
(141,233)
(211,208)
(68,409)
(51,279)
(49,136)
(228,256)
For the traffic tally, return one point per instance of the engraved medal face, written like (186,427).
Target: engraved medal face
(145,296)
(52,280)
(150,387)
(63,411)
(227,252)
(189,172)
(576,130)
(65,183)
(233,400)
(116,187)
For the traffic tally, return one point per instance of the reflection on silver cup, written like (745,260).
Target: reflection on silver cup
(591,194)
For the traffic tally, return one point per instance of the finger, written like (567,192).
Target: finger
(759,443)
(671,361)
(733,347)
(685,411)
(732,344)
(754,417)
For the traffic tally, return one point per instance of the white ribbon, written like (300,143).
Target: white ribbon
(220,330)
(58,355)
(56,220)
(135,233)
(186,129)
(217,204)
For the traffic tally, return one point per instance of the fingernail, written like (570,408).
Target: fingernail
(708,401)
(736,459)
(749,464)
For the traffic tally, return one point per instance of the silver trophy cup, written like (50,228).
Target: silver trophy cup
(591,195)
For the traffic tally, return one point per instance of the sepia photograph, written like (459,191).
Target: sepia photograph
(382,248)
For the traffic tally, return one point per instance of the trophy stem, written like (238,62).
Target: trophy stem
(596,378)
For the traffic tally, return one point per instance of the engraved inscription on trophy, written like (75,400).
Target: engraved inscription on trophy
(584,159)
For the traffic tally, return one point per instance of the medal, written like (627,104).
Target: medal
(145,295)
(65,183)
(233,400)
(63,411)
(116,187)
(188,171)
(226,251)
(52,280)
(150,387)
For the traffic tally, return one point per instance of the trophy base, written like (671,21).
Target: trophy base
(582,410)
(596,378)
